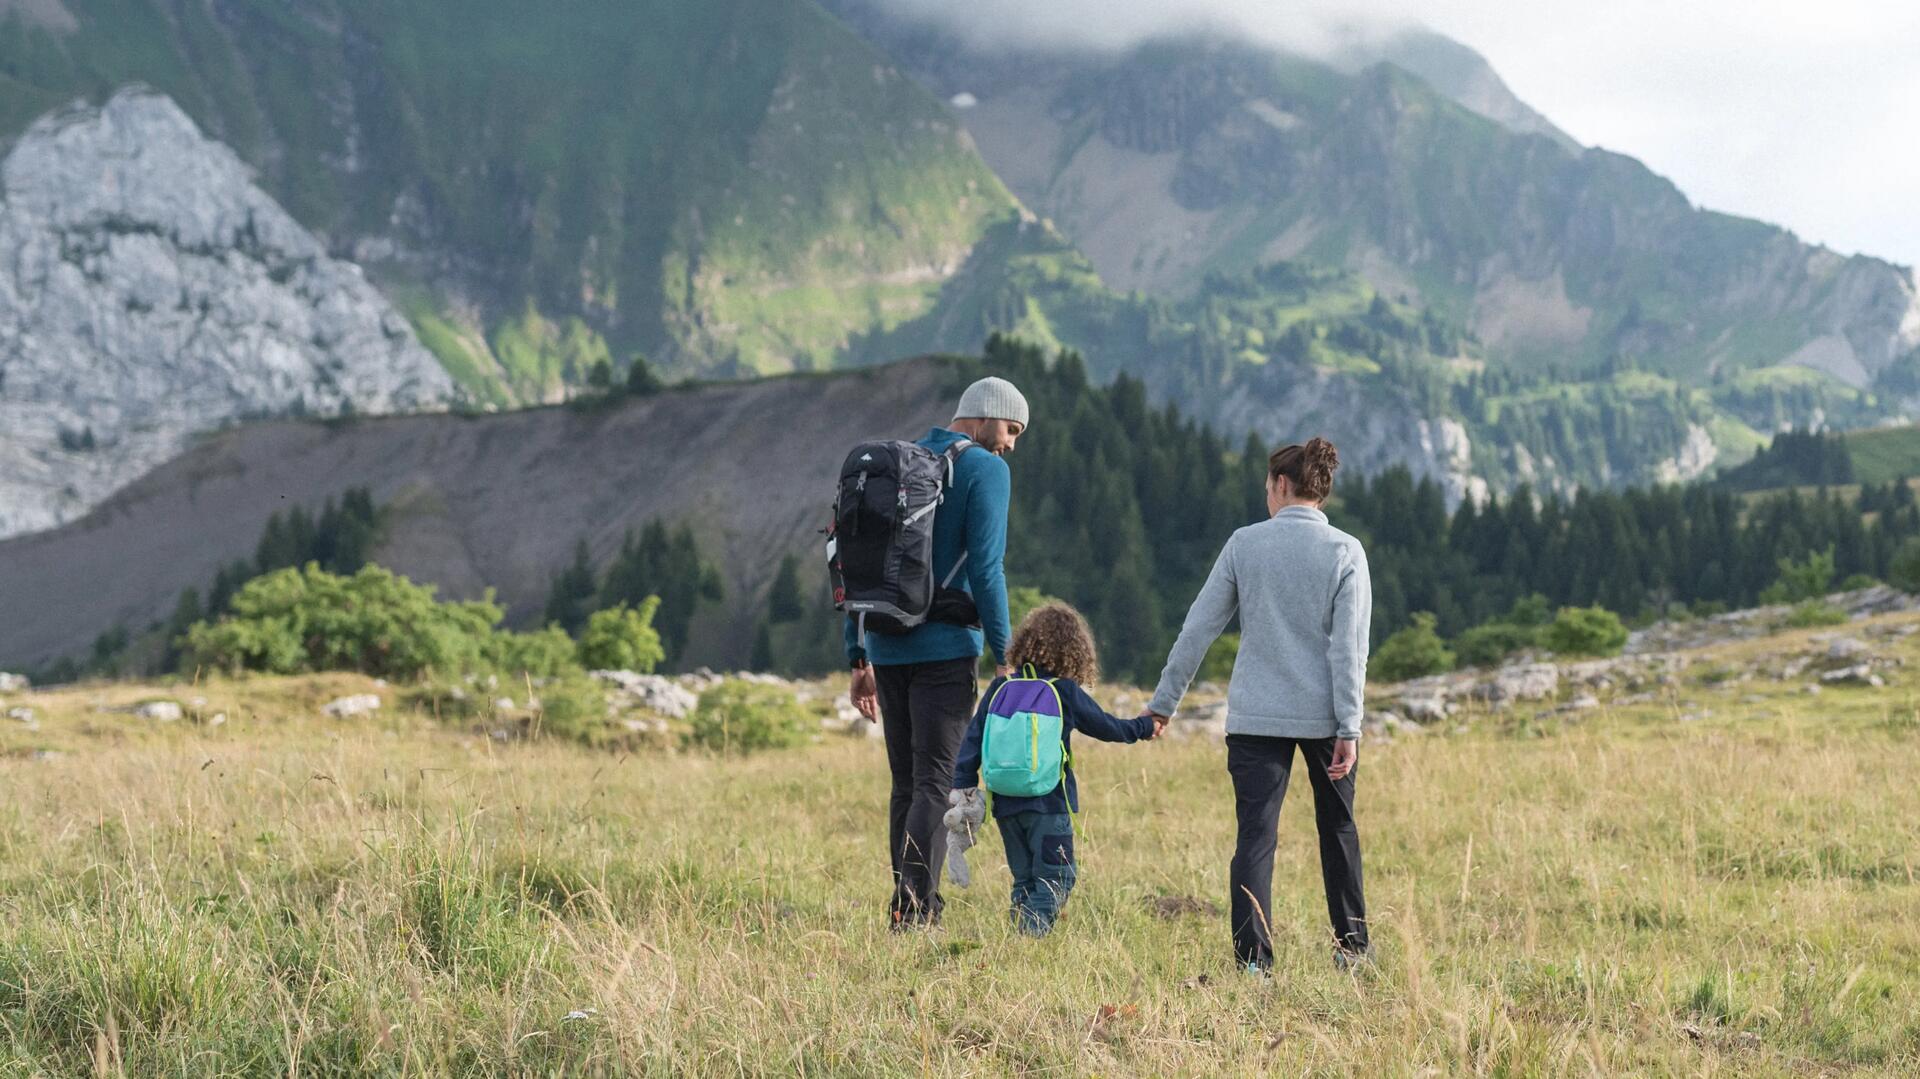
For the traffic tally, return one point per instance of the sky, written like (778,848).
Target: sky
(1806,115)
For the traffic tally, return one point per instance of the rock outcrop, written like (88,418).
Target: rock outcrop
(149,291)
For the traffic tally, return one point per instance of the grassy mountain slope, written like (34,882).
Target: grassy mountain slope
(1185,157)
(731,186)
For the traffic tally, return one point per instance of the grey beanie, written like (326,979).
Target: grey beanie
(992,399)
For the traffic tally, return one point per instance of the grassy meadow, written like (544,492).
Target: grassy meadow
(1718,882)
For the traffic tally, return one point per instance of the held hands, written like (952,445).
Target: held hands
(1346,753)
(1159,724)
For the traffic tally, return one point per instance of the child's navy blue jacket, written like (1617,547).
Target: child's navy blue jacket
(1081,714)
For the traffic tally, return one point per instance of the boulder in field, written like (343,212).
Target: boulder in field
(357,705)
(159,711)
(1528,682)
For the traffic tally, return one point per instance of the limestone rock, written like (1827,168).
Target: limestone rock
(1425,709)
(13,683)
(1529,682)
(149,291)
(159,711)
(1860,674)
(655,693)
(357,705)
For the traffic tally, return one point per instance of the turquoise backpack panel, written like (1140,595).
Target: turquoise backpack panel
(1021,749)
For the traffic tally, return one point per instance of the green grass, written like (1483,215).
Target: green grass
(1884,455)
(1615,892)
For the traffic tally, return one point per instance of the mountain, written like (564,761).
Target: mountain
(478,501)
(1456,71)
(1422,173)
(152,292)
(1388,246)
(730,186)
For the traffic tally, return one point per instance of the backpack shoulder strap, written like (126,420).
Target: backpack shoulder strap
(953,454)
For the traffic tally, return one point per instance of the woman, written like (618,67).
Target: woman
(1305,603)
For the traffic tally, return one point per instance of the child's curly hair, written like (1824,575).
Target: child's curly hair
(1056,638)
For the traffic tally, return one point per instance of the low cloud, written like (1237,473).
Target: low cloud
(1315,28)
(1794,112)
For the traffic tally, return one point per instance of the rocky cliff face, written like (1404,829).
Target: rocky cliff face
(149,292)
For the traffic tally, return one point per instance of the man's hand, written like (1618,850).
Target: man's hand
(1346,753)
(866,693)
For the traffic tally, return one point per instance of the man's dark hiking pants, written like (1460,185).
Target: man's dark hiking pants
(924,708)
(1260,768)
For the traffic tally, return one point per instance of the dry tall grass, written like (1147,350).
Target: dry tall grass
(289,895)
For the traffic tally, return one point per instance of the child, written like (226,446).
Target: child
(1053,643)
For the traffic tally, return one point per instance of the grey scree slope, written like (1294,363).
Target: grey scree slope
(494,500)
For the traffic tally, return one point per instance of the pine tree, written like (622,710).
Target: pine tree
(570,599)
(784,602)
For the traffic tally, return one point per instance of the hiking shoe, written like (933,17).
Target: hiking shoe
(1350,962)
(1257,969)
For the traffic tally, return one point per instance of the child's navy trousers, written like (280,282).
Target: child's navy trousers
(1040,854)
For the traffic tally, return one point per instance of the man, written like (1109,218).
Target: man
(921,684)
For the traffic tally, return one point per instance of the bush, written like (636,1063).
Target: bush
(620,638)
(1487,645)
(1530,612)
(294,621)
(575,708)
(1585,631)
(1413,652)
(1799,581)
(543,653)
(744,717)
(1812,613)
(1903,572)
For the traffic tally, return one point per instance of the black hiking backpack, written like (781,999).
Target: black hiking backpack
(880,544)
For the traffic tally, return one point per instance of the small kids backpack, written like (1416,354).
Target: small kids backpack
(1021,754)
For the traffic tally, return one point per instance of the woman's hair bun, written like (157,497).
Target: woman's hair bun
(1309,468)
(1321,454)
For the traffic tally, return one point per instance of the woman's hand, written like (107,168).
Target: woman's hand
(1346,753)
(866,693)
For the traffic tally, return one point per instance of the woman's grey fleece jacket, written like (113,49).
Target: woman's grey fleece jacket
(1306,604)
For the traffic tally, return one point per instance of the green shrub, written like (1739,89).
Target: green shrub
(1487,645)
(1585,631)
(1903,572)
(575,708)
(543,653)
(1530,611)
(1413,652)
(1811,613)
(1809,579)
(620,638)
(1856,582)
(743,717)
(294,621)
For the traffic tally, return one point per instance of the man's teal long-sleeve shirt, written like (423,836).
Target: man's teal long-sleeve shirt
(972,519)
